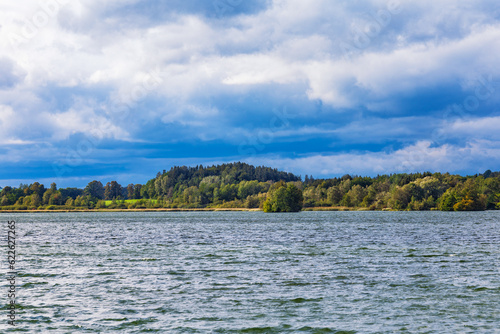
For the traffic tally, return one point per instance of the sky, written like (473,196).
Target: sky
(122,89)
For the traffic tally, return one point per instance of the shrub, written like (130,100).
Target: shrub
(283,198)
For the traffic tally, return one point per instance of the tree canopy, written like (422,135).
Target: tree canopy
(283,198)
(239,185)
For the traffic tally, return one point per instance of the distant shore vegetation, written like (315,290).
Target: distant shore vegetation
(239,185)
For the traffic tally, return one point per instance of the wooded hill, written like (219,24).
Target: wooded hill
(239,185)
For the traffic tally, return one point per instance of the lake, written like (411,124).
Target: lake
(250,272)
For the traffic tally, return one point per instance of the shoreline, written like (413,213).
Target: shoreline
(333,209)
(136,210)
(316,209)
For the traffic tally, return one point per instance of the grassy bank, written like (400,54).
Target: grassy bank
(133,210)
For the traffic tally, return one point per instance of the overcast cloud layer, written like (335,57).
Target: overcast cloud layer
(120,89)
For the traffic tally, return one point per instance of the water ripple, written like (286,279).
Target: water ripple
(229,272)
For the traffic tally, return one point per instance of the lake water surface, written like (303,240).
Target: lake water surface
(250,272)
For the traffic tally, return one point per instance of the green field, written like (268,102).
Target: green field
(129,201)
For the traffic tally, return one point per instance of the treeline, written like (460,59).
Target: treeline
(235,185)
(239,185)
(419,191)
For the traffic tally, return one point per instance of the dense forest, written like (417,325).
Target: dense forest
(239,185)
